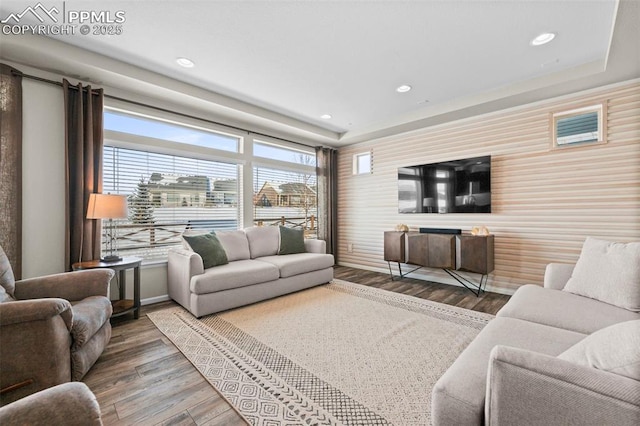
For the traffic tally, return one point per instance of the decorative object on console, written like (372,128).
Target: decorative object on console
(480,230)
(401,227)
(108,206)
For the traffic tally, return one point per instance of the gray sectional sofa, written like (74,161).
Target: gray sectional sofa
(520,368)
(255,271)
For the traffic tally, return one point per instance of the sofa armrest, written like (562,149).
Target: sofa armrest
(70,404)
(315,246)
(181,266)
(187,261)
(556,275)
(35,346)
(537,389)
(22,311)
(71,286)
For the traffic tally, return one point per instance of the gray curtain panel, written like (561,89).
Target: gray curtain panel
(11,166)
(327,172)
(84,148)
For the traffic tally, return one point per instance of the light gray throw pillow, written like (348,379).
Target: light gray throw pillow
(263,240)
(609,272)
(235,244)
(615,349)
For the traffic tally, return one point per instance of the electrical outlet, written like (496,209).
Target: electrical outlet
(350,248)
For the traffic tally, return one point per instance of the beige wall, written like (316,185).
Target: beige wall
(544,201)
(42,179)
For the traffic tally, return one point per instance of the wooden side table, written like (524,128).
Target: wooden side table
(121,306)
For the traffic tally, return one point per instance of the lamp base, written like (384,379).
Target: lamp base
(110,258)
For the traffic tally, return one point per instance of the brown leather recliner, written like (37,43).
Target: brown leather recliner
(52,328)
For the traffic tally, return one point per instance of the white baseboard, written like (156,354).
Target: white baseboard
(423,274)
(156,299)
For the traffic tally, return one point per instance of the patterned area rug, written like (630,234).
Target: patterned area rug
(337,354)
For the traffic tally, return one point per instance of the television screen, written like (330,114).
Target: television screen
(458,186)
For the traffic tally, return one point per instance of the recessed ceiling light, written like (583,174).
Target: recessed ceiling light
(326,116)
(184,62)
(543,38)
(404,88)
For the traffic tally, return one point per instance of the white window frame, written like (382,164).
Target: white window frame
(356,163)
(601,138)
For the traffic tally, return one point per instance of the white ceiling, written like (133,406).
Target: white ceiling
(289,62)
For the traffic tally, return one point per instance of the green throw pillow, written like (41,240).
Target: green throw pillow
(291,241)
(209,248)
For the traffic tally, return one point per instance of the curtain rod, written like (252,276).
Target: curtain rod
(181,114)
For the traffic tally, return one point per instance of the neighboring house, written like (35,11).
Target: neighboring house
(191,191)
(225,192)
(285,195)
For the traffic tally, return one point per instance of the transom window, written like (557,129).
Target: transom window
(159,129)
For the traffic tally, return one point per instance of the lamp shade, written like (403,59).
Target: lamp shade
(107,206)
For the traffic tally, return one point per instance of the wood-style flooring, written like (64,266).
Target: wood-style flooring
(142,378)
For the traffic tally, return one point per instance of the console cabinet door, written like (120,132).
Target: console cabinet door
(394,250)
(442,251)
(418,249)
(432,250)
(474,253)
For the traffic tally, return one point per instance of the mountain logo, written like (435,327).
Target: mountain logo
(38,11)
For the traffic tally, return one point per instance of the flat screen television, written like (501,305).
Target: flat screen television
(457,186)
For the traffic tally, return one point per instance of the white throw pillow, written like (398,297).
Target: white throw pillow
(609,272)
(615,349)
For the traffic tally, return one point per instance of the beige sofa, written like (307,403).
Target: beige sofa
(255,271)
(512,373)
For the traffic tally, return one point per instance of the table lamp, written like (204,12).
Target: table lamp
(107,206)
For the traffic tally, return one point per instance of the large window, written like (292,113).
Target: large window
(167,193)
(180,176)
(285,190)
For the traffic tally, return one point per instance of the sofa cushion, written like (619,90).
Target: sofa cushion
(615,349)
(291,241)
(209,248)
(299,263)
(562,309)
(89,315)
(235,244)
(609,272)
(458,396)
(263,240)
(236,274)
